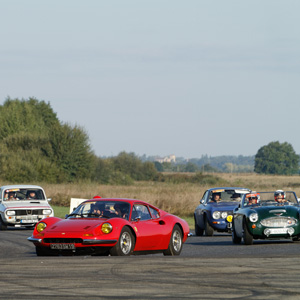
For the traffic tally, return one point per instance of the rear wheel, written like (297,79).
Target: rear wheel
(248,238)
(175,245)
(209,231)
(125,244)
(199,231)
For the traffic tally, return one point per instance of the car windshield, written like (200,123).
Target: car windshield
(23,194)
(226,195)
(270,199)
(102,209)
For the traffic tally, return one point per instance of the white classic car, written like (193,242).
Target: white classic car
(23,206)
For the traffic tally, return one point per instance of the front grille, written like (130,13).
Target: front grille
(278,222)
(25,212)
(62,240)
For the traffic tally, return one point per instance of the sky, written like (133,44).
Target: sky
(159,77)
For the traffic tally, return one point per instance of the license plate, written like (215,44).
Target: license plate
(28,221)
(63,246)
(278,230)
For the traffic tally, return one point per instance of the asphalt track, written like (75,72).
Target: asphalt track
(208,268)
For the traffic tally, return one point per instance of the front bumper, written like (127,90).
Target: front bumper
(84,242)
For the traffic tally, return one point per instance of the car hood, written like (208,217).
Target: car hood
(75,225)
(223,206)
(273,211)
(26,204)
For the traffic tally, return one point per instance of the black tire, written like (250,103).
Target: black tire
(176,243)
(2,225)
(235,238)
(125,244)
(209,231)
(198,231)
(248,238)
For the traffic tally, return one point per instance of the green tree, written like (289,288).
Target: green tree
(70,150)
(25,116)
(276,158)
(191,167)
(130,164)
(35,146)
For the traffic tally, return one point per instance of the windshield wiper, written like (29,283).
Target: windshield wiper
(74,214)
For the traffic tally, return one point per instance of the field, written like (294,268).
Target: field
(180,199)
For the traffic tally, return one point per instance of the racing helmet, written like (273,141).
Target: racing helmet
(253,197)
(279,192)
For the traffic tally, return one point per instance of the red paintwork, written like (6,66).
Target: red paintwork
(150,235)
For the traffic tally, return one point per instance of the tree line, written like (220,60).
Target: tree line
(35,146)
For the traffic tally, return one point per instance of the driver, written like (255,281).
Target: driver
(216,197)
(252,198)
(31,195)
(12,196)
(99,209)
(279,196)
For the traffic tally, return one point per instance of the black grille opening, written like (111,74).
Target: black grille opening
(62,240)
(25,212)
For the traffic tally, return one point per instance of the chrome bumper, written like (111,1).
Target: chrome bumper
(33,240)
(87,242)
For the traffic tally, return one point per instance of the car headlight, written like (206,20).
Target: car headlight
(216,215)
(41,226)
(253,217)
(224,214)
(10,213)
(106,228)
(47,212)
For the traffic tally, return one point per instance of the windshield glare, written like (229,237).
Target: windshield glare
(268,199)
(225,196)
(22,194)
(102,209)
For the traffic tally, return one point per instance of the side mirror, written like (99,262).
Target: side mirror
(66,216)
(49,199)
(202,201)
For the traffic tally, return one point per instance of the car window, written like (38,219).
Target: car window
(23,194)
(268,199)
(154,213)
(205,195)
(140,211)
(225,196)
(105,209)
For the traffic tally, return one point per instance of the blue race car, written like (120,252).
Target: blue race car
(216,209)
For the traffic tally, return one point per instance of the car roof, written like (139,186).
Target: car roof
(131,201)
(20,186)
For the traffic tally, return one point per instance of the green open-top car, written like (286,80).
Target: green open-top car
(266,215)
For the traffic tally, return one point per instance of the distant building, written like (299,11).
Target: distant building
(169,159)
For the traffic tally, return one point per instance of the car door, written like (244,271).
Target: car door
(147,229)
(199,213)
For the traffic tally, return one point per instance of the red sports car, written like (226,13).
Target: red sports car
(111,226)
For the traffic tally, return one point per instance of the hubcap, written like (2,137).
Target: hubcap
(125,243)
(177,241)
